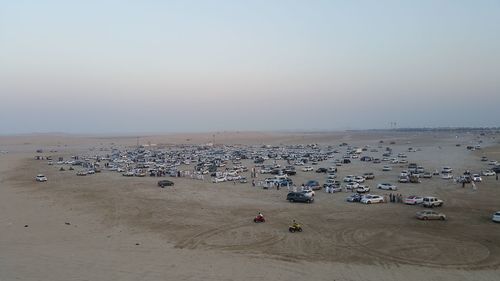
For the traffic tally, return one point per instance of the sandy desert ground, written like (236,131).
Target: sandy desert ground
(109,227)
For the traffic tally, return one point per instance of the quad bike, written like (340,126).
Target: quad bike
(259,219)
(295,227)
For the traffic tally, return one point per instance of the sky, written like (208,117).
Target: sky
(202,66)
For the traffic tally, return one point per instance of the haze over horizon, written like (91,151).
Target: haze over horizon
(198,66)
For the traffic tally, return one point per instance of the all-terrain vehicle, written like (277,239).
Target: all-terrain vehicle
(259,218)
(295,227)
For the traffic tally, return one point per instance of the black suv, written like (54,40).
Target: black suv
(322,170)
(164,183)
(299,197)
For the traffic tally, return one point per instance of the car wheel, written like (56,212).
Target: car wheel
(425,218)
(291,201)
(299,229)
(368,202)
(443,218)
(308,201)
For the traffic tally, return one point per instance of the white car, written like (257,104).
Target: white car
(363,189)
(333,189)
(488,173)
(128,174)
(308,192)
(307,169)
(496,217)
(348,178)
(493,162)
(386,168)
(331,176)
(446,176)
(352,185)
(359,179)
(431,202)
(218,179)
(387,186)
(477,178)
(403,179)
(41,178)
(414,200)
(446,170)
(369,199)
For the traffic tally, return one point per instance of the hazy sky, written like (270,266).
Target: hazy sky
(169,66)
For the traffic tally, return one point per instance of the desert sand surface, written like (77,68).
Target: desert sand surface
(109,227)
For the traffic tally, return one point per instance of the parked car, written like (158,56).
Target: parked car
(387,186)
(331,176)
(369,199)
(488,173)
(128,174)
(431,202)
(354,198)
(414,200)
(219,179)
(359,179)
(313,184)
(332,188)
(299,197)
(307,169)
(322,170)
(362,189)
(496,217)
(446,176)
(352,185)
(308,192)
(403,179)
(81,173)
(369,176)
(330,181)
(348,178)
(41,178)
(446,169)
(430,215)
(477,178)
(386,168)
(164,183)
(427,175)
